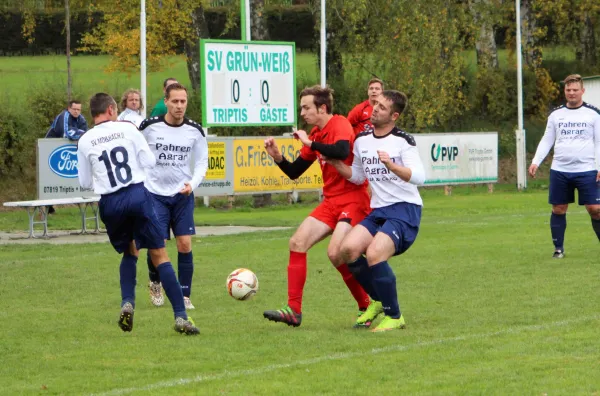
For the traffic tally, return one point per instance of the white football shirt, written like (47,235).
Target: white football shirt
(111,156)
(575,135)
(131,116)
(387,187)
(178,149)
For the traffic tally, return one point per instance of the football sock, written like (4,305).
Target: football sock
(127,274)
(296,280)
(361,297)
(596,226)
(152,272)
(384,281)
(172,289)
(185,268)
(558,225)
(360,270)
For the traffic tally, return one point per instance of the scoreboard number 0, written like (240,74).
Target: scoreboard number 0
(264,92)
(235,91)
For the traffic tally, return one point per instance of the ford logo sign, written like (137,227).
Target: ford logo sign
(63,161)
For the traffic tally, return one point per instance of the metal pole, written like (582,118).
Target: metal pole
(520,132)
(143,55)
(245,20)
(323,45)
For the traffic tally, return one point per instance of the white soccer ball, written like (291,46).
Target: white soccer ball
(242,284)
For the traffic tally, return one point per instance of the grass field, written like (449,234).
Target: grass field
(488,312)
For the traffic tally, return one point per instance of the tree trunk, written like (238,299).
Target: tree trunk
(587,42)
(259,28)
(68,34)
(485,45)
(192,46)
(532,52)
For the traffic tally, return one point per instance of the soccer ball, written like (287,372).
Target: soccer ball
(242,284)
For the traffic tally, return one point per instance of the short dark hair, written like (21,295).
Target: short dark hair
(167,80)
(100,102)
(174,87)
(72,102)
(321,96)
(399,100)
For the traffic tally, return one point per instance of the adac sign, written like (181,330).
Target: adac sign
(63,161)
(441,153)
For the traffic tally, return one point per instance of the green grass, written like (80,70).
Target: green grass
(19,74)
(488,312)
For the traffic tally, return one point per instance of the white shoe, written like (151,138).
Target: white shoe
(156,296)
(188,303)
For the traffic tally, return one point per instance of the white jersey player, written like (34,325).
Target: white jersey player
(574,131)
(389,159)
(181,150)
(132,116)
(110,159)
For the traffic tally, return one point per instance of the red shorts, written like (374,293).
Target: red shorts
(351,208)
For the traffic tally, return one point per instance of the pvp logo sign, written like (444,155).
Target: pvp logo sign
(443,152)
(63,161)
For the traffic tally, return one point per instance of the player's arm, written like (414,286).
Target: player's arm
(338,150)
(412,172)
(200,150)
(144,154)
(355,173)
(597,144)
(546,143)
(84,170)
(293,170)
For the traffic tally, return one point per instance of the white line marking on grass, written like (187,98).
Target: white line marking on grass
(227,374)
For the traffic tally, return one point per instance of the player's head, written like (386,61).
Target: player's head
(132,99)
(574,90)
(74,108)
(388,107)
(168,82)
(374,89)
(176,101)
(103,107)
(316,102)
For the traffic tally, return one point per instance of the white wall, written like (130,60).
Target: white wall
(592,91)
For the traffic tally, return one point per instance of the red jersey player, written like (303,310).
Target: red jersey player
(360,115)
(344,206)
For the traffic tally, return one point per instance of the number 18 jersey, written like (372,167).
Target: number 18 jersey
(111,156)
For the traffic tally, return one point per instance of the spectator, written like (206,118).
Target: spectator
(70,123)
(132,105)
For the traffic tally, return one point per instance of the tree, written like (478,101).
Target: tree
(259,28)
(482,12)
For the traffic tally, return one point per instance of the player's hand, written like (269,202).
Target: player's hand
(272,149)
(186,190)
(533,168)
(598,177)
(303,137)
(384,157)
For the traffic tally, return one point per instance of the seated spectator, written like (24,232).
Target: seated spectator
(131,107)
(70,123)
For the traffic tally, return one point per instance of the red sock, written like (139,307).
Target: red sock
(359,294)
(296,280)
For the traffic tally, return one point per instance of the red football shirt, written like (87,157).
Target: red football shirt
(360,116)
(338,128)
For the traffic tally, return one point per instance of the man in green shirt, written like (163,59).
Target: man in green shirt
(160,108)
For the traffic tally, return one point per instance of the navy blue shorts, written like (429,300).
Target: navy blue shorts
(563,185)
(175,213)
(399,221)
(128,215)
